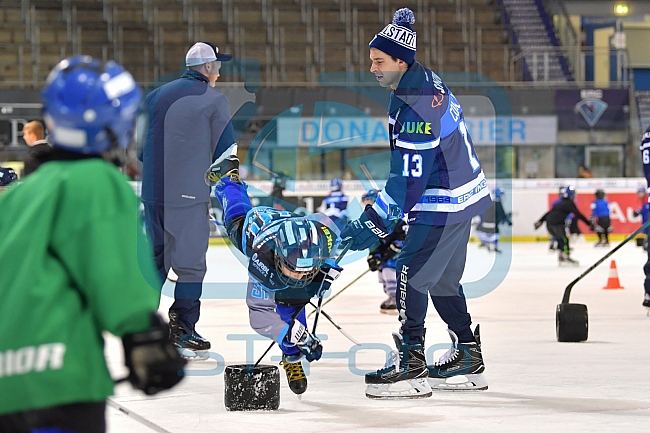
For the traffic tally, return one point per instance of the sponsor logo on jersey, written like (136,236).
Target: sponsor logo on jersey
(328,236)
(32,359)
(437,101)
(416,128)
(463,198)
(257,264)
(454,109)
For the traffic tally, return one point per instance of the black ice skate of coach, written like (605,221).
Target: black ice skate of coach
(404,376)
(461,367)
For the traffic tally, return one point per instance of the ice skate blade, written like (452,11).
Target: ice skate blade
(569,264)
(194,355)
(388,312)
(414,388)
(472,382)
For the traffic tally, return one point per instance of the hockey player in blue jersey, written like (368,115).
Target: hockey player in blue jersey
(645,157)
(383,259)
(435,177)
(600,218)
(290,261)
(335,205)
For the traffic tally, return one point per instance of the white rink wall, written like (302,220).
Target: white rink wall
(527,199)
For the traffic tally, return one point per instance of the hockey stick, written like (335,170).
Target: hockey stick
(567,291)
(336,325)
(341,291)
(338,259)
(135,416)
(320,297)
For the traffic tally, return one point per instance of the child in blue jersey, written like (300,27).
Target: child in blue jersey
(383,259)
(289,262)
(600,218)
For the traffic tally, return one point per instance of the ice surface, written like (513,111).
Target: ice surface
(535,383)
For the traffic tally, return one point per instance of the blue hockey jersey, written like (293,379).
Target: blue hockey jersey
(435,175)
(600,208)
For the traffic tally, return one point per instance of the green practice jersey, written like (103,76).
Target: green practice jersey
(74,261)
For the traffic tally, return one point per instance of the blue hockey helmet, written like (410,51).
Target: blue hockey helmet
(641,191)
(301,247)
(336,185)
(498,193)
(89,106)
(7,175)
(370,195)
(569,192)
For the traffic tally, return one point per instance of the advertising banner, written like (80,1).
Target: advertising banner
(346,132)
(621,210)
(592,109)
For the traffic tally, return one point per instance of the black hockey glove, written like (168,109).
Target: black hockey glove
(396,247)
(153,361)
(635,214)
(538,224)
(374,262)
(592,224)
(308,344)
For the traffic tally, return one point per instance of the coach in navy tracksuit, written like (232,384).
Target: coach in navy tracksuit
(188,126)
(645,154)
(435,177)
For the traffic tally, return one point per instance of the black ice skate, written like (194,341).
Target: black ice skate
(566,260)
(404,375)
(227,165)
(295,375)
(190,346)
(460,368)
(389,306)
(646,303)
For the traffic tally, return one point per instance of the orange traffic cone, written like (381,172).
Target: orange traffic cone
(612,281)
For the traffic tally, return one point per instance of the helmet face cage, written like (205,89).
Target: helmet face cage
(569,192)
(300,246)
(336,185)
(371,195)
(89,106)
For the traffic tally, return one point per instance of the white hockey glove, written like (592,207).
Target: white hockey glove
(330,272)
(308,344)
